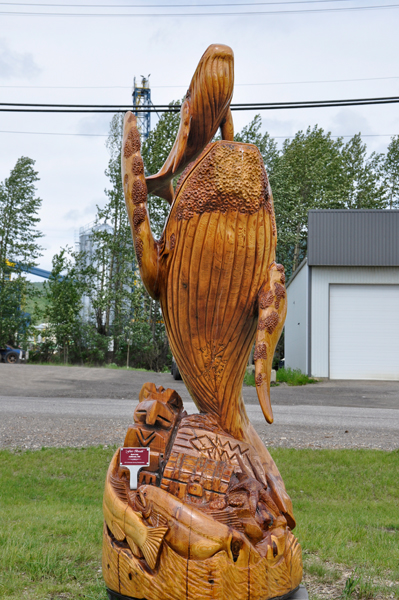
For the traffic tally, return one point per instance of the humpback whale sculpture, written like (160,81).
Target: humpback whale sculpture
(210,517)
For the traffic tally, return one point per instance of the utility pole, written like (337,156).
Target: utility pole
(141,96)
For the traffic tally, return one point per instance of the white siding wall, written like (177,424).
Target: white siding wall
(296,329)
(321,278)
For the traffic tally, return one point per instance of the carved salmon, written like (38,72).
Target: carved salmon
(206,108)
(192,530)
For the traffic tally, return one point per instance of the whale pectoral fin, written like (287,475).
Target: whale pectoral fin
(180,145)
(227,127)
(272,310)
(152,545)
(135,190)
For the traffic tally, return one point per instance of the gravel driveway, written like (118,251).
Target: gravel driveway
(80,406)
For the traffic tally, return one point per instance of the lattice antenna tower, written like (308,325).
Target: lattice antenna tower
(142,98)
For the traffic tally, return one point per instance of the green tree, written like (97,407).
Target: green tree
(113,275)
(19,247)
(308,174)
(362,176)
(390,172)
(63,293)
(120,309)
(251,134)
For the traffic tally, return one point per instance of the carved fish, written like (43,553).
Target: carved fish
(204,110)
(125,523)
(192,531)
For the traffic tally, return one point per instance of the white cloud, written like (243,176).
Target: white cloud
(15,64)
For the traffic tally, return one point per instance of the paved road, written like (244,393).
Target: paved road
(84,382)
(36,422)
(298,415)
(60,406)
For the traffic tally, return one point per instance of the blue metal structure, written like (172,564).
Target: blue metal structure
(36,271)
(141,98)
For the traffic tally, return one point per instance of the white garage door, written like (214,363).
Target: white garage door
(364,332)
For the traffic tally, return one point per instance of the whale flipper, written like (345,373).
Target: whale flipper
(272,310)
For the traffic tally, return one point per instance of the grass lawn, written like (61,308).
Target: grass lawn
(345,502)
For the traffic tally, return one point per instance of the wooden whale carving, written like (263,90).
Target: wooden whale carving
(210,517)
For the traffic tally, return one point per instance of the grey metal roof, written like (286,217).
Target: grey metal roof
(366,238)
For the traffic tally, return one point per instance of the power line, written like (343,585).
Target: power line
(108,108)
(204,14)
(56,133)
(106,135)
(125,87)
(169,5)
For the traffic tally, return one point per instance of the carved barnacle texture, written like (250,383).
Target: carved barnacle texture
(138,217)
(279,291)
(139,191)
(266,299)
(172,241)
(221,183)
(137,165)
(259,379)
(269,323)
(281,270)
(260,352)
(132,144)
(269,207)
(138,246)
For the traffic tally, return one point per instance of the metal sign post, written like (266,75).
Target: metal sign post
(134,459)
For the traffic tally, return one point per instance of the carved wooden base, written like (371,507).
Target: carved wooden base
(297,594)
(210,518)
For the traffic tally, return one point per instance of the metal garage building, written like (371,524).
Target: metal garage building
(343,300)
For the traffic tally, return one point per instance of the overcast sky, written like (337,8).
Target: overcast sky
(72,60)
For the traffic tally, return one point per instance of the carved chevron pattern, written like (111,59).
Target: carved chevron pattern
(217,448)
(145,440)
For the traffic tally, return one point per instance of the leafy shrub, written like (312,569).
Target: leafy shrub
(293,377)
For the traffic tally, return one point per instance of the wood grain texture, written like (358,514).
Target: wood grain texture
(211,517)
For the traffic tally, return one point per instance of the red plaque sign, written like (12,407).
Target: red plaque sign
(135,456)
(133,459)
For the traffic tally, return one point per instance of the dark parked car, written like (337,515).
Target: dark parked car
(11,355)
(175,370)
